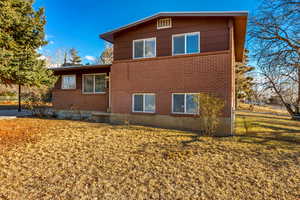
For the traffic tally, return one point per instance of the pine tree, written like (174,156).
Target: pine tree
(21,34)
(106,56)
(75,59)
(243,80)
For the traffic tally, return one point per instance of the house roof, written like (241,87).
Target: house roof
(81,67)
(240,24)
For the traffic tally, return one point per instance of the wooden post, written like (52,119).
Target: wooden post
(19,108)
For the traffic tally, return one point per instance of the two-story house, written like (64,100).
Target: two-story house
(160,63)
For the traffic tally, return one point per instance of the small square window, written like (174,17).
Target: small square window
(68,82)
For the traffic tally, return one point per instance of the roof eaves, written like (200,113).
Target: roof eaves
(79,67)
(107,36)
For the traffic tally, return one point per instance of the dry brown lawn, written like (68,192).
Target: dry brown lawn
(60,159)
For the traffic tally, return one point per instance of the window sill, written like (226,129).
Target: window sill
(93,93)
(184,115)
(143,58)
(71,89)
(143,113)
(182,54)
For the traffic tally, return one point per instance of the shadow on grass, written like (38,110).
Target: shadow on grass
(261,116)
(263,130)
(266,130)
(9,107)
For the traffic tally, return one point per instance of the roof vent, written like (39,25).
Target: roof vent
(164,23)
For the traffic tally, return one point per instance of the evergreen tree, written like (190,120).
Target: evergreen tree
(21,34)
(75,59)
(243,80)
(106,56)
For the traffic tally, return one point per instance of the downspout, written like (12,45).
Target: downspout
(232,77)
(109,92)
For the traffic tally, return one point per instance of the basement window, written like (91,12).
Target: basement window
(164,23)
(143,103)
(184,103)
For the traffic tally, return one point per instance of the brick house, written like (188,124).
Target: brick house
(160,62)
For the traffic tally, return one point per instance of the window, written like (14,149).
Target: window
(185,103)
(68,82)
(143,103)
(186,43)
(164,23)
(94,83)
(145,48)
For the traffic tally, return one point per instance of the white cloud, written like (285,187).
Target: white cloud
(47,36)
(51,42)
(42,57)
(90,58)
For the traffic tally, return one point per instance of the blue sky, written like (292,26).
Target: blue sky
(78,23)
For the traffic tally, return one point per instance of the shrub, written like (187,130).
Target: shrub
(8,93)
(32,100)
(210,108)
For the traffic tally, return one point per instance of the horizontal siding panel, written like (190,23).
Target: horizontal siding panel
(213,31)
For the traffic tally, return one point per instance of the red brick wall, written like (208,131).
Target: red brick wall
(205,72)
(75,99)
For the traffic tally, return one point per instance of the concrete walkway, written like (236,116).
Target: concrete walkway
(11,114)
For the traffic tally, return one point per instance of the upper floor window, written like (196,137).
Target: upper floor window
(144,48)
(164,23)
(94,83)
(68,82)
(186,43)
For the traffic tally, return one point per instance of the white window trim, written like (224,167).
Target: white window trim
(184,113)
(163,27)
(62,82)
(82,80)
(143,102)
(144,47)
(185,36)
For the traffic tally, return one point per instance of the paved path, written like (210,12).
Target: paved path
(9,114)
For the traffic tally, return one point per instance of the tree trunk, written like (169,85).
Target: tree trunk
(286,105)
(19,107)
(298,101)
(297,105)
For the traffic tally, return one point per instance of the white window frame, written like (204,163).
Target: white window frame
(94,86)
(143,102)
(62,82)
(184,113)
(185,37)
(144,47)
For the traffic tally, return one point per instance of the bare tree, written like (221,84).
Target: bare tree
(275,39)
(59,57)
(106,56)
